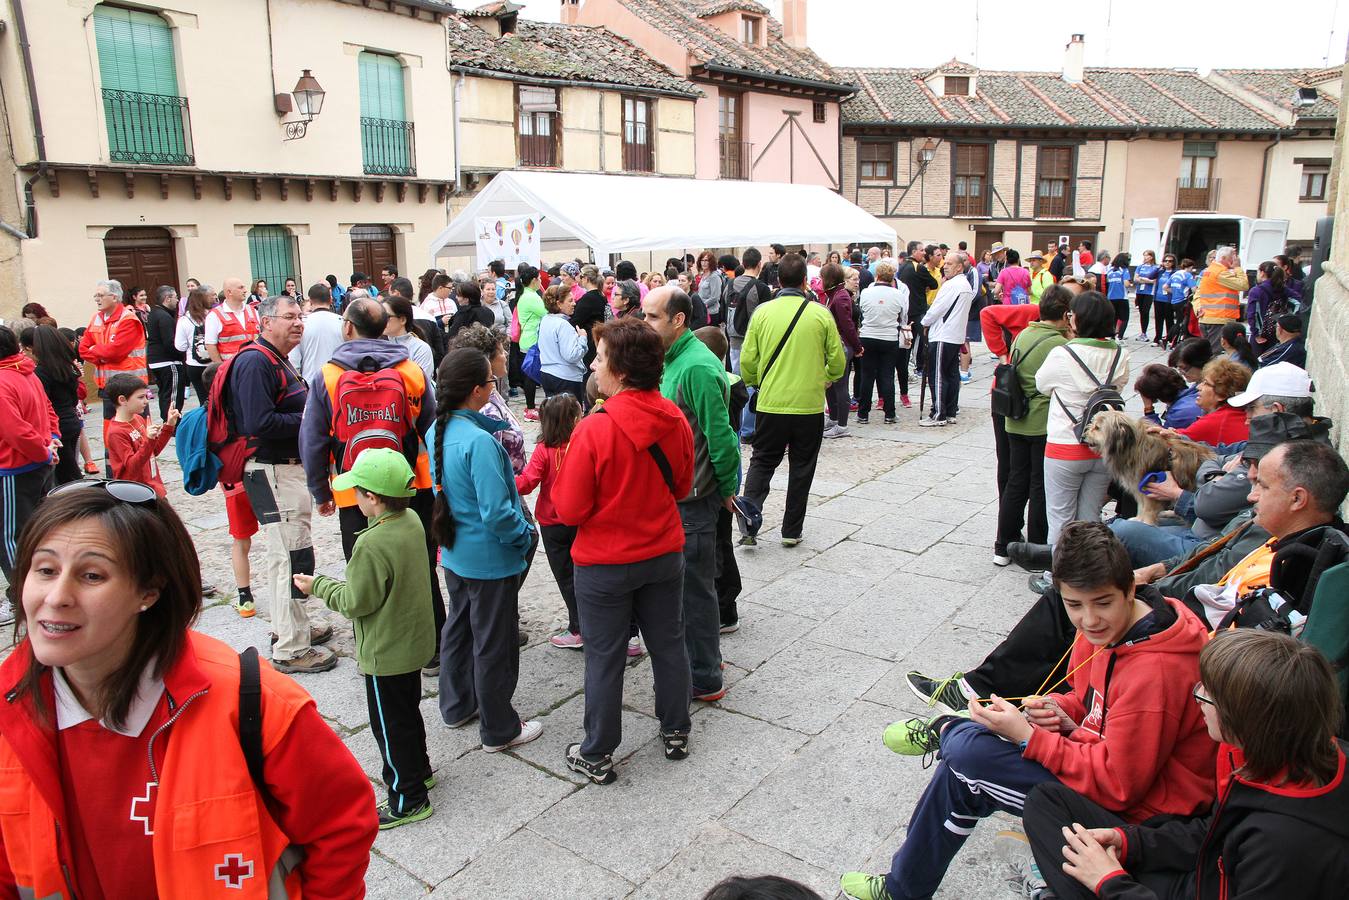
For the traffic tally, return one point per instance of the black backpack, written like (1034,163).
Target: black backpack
(1106,396)
(1293,575)
(739,303)
(1008,398)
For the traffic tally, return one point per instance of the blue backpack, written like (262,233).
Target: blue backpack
(201,467)
(532,365)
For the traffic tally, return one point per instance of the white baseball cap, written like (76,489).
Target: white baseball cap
(1281,379)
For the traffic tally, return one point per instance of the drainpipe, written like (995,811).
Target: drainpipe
(39,138)
(1264,173)
(454,116)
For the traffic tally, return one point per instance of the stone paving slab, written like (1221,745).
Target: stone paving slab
(805,686)
(716,852)
(553,872)
(900,531)
(813,593)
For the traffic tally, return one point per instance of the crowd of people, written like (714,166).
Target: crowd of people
(389,408)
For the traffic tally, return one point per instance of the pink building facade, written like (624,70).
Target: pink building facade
(771,107)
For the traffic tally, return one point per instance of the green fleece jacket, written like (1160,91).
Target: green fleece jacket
(1030,348)
(387,596)
(531,311)
(811,358)
(695,381)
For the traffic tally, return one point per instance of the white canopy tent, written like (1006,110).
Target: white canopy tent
(625,213)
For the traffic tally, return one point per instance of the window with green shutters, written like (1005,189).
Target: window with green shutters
(386,134)
(271,255)
(147,120)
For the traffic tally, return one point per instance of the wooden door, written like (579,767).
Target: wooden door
(984,240)
(141,257)
(372,248)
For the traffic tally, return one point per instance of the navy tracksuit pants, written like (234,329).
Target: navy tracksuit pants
(979,773)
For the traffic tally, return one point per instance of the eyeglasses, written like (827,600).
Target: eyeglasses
(132,492)
(288,317)
(1200,698)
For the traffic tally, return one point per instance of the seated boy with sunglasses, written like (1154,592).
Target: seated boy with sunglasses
(1124,733)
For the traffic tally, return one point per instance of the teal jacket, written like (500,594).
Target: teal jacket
(491,534)
(811,358)
(695,381)
(387,596)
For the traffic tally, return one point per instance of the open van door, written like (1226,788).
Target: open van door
(1144,234)
(1265,240)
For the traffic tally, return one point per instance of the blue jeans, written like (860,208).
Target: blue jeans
(979,773)
(1148,544)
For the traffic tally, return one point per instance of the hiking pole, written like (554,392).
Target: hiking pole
(921,351)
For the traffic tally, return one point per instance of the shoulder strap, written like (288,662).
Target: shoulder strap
(1085,368)
(1110,375)
(1016,360)
(782,343)
(662,461)
(250,713)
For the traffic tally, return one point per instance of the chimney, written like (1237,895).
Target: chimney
(794,23)
(1073,59)
(571,12)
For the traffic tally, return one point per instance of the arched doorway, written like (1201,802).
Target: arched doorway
(372,248)
(141,257)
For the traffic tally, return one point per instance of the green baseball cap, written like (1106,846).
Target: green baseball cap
(379,470)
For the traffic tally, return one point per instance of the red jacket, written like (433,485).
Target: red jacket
(1225,425)
(611,488)
(207,808)
(1002,323)
(541,472)
(30,421)
(132,454)
(1141,748)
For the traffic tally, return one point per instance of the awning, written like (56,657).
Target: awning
(623,213)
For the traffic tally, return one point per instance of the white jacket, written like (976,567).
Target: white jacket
(884,306)
(1062,379)
(955,297)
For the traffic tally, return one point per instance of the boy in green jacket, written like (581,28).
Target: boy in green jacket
(387,596)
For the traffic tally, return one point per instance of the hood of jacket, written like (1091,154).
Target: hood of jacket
(383,352)
(1319,809)
(643,416)
(18,364)
(1177,630)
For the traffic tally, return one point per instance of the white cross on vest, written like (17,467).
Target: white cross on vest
(234,870)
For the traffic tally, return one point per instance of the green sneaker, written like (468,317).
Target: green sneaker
(863,886)
(245,608)
(388,819)
(918,737)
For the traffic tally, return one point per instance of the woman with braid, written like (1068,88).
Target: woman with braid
(483,537)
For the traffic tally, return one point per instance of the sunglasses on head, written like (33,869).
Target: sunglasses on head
(132,492)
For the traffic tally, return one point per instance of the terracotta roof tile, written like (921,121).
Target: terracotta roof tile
(1277,86)
(717,7)
(572,52)
(680,20)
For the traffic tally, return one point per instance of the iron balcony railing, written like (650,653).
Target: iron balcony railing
(387,147)
(148,128)
(1197,194)
(736,157)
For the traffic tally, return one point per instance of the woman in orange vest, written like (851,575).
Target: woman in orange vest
(124,773)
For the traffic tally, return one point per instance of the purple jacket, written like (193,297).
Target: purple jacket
(840,304)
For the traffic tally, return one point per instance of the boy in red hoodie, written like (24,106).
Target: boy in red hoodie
(1127,734)
(132,443)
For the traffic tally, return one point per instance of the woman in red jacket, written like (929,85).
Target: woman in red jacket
(1221,423)
(119,734)
(626,466)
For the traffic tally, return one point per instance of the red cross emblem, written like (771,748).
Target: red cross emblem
(234,871)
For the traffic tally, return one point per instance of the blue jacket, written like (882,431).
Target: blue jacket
(491,534)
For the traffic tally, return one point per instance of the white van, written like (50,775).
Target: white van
(1193,235)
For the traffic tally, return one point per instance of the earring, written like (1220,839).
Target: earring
(144,608)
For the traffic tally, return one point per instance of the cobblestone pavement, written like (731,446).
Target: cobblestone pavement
(787,774)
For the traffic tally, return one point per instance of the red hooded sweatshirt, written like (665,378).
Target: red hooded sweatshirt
(1141,748)
(30,420)
(611,488)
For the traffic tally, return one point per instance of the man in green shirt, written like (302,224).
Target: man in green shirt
(789,404)
(695,381)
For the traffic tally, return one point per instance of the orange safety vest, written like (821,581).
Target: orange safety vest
(213,835)
(233,333)
(103,333)
(1213,303)
(414,385)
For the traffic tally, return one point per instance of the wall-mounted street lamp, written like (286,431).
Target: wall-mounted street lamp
(308,96)
(927,153)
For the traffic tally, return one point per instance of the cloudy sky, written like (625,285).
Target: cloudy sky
(1016,34)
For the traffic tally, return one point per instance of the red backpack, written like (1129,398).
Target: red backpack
(227,445)
(370,409)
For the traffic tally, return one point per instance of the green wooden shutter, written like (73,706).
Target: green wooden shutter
(385,139)
(271,255)
(146,117)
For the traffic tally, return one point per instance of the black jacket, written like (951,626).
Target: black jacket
(589,312)
(919,281)
(64,398)
(1259,841)
(465,316)
(159,337)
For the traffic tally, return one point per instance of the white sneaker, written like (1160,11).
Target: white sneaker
(838,431)
(1024,878)
(931,423)
(1000,560)
(1142,338)
(6,613)
(528,732)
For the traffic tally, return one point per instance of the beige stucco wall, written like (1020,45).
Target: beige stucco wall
(1284,183)
(210,240)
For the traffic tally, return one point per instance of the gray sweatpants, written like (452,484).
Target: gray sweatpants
(702,614)
(1075,490)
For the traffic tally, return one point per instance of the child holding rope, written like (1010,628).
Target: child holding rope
(1125,732)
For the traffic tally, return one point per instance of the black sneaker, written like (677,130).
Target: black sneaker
(943,695)
(390,819)
(600,771)
(863,420)
(676,744)
(729,627)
